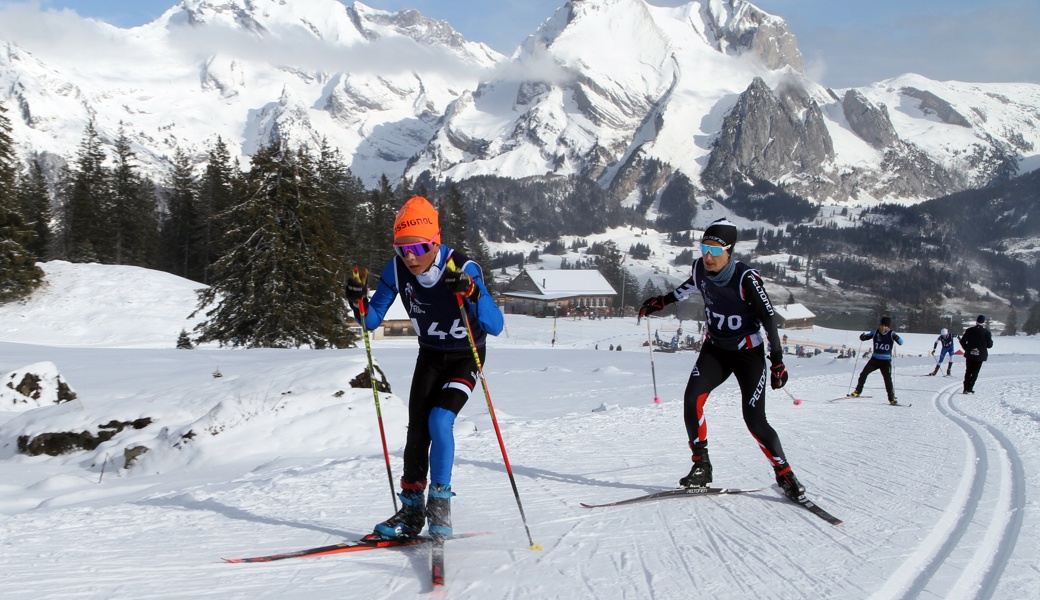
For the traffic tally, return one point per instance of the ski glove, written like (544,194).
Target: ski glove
(459,282)
(355,288)
(655,304)
(777,374)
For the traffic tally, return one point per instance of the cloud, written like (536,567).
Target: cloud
(65,38)
(59,34)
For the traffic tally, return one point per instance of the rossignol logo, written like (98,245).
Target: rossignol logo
(411,223)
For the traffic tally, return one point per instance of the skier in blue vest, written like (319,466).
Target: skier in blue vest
(946,340)
(881,359)
(737,309)
(424,274)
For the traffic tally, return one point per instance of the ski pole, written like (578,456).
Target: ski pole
(491,411)
(854,365)
(796,401)
(653,372)
(362,308)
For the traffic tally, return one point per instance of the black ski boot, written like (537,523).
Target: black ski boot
(409,521)
(700,473)
(790,485)
(438,509)
(949,370)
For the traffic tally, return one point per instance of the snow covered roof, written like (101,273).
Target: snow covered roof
(551,284)
(791,312)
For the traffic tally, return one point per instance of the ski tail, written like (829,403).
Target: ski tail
(437,562)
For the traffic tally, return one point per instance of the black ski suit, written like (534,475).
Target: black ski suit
(736,314)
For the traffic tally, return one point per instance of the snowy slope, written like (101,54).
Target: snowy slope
(940,500)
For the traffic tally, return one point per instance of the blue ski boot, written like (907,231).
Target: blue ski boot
(409,521)
(438,509)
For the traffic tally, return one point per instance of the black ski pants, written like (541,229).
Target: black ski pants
(971,373)
(877,364)
(713,367)
(441,385)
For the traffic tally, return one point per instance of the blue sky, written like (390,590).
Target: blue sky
(845,43)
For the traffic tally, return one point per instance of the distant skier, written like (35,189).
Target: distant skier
(445,371)
(946,340)
(881,359)
(976,342)
(737,309)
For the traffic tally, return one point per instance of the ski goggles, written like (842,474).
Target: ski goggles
(418,248)
(714,250)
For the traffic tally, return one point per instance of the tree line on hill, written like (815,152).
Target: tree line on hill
(274,241)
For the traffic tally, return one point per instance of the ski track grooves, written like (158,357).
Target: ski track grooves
(1000,523)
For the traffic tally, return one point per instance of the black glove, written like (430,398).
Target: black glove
(777,373)
(459,282)
(655,304)
(355,288)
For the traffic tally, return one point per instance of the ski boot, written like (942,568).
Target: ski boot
(438,509)
(892,400)
(949,370)
(935,372)
(700,473)
(856,394)
(409,521)
(790,485)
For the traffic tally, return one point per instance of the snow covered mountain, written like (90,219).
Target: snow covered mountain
(248,70)
(614,89)
(619,91)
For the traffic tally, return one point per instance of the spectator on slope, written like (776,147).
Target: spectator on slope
(976,342)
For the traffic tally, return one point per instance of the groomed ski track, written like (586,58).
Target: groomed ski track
(941,500)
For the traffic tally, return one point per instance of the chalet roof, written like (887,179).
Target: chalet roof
(791,312)
(549,284)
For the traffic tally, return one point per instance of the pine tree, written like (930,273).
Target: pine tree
(35,201)
(279,283)
(216,193)
(133,218)
(19,274)
(182,229)
(345,196)
(1011,326)
(378,238)
(454,224)
(1032,324)
(88,202)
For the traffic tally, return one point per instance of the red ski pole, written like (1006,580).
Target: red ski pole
(362,308)
(491,411)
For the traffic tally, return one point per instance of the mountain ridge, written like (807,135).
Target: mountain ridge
(618,91)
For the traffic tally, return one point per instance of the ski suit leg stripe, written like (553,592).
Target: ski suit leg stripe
(751,373)
(708,372)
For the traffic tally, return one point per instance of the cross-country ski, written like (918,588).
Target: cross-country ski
(370,542)
(676,493)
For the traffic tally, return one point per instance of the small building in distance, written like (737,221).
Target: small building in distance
(541,292)
(794,316)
